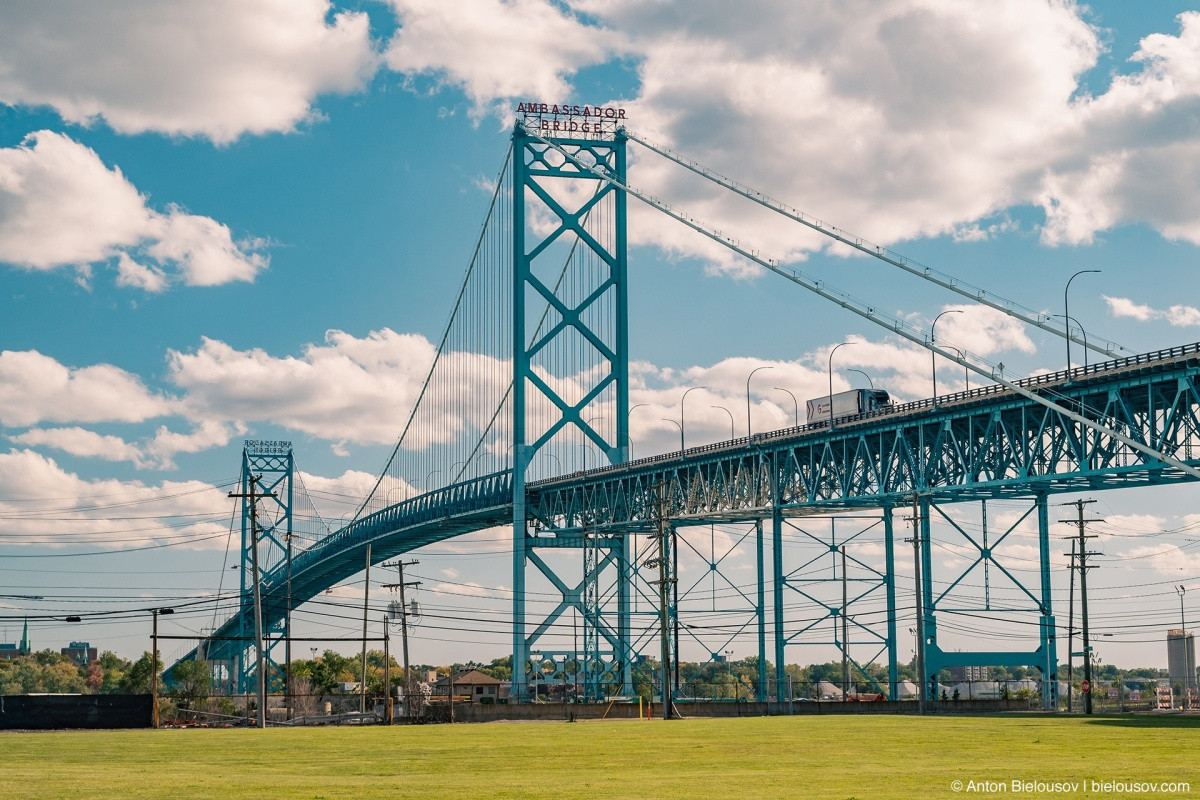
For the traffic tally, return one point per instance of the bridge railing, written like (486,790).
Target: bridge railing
(1034,381)
(477,493)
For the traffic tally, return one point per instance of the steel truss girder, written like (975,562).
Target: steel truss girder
(600,595)
(1044,657)
(687,600)
(975,445)
(868,583)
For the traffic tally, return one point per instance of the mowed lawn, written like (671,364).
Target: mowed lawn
(719,759)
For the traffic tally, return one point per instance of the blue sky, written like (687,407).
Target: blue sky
(193,196)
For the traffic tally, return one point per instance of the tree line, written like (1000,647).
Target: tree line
(47,671)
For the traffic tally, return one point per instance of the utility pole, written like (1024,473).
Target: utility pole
(260,660)
(287,629)
(1188,671)
(1083,608)
(387,674)
(916,543)
(1071,633)
(401,585)
(675,606)
(845,630)
(663,562)
(154,659)
(153,665)
(362,696)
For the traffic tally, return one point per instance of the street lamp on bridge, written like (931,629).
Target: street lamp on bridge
(732,435)
(675,422)
(795,405)
(748,377)
(831,352)
(1082,330)
(870,382)
(628,432)
(683,400)
(1067,312)
(932,352)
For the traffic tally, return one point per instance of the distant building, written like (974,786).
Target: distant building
(81,653)
(1181,657)
(961,674)
(11,651)
(470,684)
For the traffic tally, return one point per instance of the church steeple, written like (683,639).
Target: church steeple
(25,648)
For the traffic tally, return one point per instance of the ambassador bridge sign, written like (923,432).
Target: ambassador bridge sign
(552,118)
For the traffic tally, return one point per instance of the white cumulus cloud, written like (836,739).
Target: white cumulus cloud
(218,69)
(1179,316)
(35,388)
(348,389)
(938,115)
(62,207)
(496,50)
(78,441)
(189,514)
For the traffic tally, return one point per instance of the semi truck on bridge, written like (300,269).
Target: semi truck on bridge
(845,404)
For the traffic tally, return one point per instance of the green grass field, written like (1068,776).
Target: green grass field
(873,757)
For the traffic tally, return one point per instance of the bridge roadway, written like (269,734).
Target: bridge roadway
(983,443)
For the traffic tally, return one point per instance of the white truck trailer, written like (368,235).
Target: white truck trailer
(846,404)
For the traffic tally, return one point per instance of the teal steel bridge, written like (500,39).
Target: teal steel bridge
(538,341)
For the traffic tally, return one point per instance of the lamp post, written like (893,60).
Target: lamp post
(683,400)
(732,435)
(1082,330)
(628,426)
(831,352)
(154,659)
(589,422)
(748,377)
(432,472)
(870,382)
(966,369)
(586,448)
(1067,312)
(933,353)
(795,405)
(677,425)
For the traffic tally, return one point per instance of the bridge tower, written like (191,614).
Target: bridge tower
(272,465)
(570,390)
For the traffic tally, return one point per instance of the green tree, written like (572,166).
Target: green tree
(63,677)
(323,679)
(342,668)
(191,682)
(500,668)
(45,671)
(114,668)
(47,657)
(20,675)
(138,679)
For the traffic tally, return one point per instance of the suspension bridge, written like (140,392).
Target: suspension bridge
(531,376)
